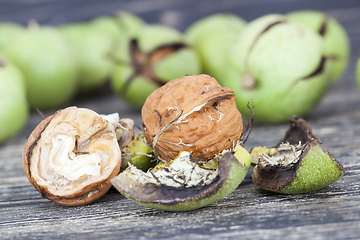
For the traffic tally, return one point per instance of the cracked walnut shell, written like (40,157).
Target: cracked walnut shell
(193,113)
(71,156)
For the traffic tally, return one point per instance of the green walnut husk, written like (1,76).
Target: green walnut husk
(279,66)
(298,164)
(93,42)
(183,184)
(158,55)
(129,23)
(336,40)
(108,26)
(91,47)
(119,25)
(8,31)
(45,60)
(211,37)
(138,154)
(14,109)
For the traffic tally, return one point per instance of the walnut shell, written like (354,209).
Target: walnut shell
(71,156)
(193,113)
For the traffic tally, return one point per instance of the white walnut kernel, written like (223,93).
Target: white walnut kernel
(70,154)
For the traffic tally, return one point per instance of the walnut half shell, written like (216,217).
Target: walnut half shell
(71,156)
(193,113)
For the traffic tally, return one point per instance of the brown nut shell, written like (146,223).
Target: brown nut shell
(193,113)
(71,156)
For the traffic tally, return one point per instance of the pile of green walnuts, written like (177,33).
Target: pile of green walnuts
(283,64)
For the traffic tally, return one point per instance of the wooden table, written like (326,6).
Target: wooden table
(247,213)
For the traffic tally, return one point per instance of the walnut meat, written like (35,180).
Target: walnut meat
(193,113)
(71,156)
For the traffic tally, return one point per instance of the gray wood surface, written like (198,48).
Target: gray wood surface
(247,213)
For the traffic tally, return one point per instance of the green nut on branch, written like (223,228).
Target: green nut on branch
(298,164)
(280,66)
(158,55)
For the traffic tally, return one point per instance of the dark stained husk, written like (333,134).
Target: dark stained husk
(231,172)
(312,168)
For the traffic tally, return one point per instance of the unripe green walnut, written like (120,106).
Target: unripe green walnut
(45,60)
(107,25)
(298,164)
(129,23)
(93,42)
(336,40)
(8,31)
(158,55)
(279,66)
(119,25)
(211,37)
(91,47)
(13,104)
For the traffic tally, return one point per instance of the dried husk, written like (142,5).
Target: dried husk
(298,164)
(93,134)
(193,113)
(182,195)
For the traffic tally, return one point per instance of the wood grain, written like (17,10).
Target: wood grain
(247,213)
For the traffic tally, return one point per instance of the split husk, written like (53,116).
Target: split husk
(298,164)
(178,191)
(194,133)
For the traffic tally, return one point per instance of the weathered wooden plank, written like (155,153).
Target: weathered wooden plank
(246,210)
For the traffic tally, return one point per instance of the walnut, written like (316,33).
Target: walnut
(71,156)
(193,113)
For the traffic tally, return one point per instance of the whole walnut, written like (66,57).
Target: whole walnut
(193,113)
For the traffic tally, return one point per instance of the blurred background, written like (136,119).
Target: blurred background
(180,14)
(176,13)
